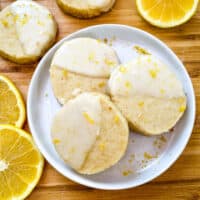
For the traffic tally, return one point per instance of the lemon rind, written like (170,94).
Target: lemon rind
(20,101)
(171,24)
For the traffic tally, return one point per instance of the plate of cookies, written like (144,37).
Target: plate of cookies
(111,107)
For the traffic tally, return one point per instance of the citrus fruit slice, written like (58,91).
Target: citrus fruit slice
(12,108)
(21,163)
(167,13)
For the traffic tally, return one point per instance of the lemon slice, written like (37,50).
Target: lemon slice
(12,108)
(167,13)
(21,163)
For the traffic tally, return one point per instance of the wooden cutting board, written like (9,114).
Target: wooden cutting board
(182,180)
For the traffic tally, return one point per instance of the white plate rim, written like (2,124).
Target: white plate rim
(82,180)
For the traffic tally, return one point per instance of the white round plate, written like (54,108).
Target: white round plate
(146,157)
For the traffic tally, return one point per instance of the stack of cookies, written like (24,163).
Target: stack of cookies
(101,97)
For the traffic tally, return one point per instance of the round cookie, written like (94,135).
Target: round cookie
(90,127)
(87,8)
(27,30)
(81,65)
(148,94)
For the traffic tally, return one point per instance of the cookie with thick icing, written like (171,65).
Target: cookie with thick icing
(87,8)
(27,30)
(81,65)
(148,94)
(89,133)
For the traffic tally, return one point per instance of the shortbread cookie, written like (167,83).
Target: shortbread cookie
(81,65)
(27,30)
(89,133)
(148,94)
(85,8)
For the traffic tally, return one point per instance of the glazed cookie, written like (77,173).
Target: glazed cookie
(86,8)
(27,30)
(81,65)
(148,94)
(102,133)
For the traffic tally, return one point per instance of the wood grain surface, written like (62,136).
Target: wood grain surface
(182,180)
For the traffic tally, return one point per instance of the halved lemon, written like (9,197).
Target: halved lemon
(21,163)
(12,108)
(167,13)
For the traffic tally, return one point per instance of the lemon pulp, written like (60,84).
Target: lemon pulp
(21,163)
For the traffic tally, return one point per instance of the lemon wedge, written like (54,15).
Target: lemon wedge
(12,108)
(21,164)
(167,13)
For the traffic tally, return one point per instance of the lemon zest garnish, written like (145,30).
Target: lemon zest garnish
(128,84)
(91,56)
(127,172)
(16,17)
(140,50)
(110,63)
(105,40)
(25,19)
(141,103)
(155,142)
(5,23)
(101,84)
(56,141)
(132,157)
(182,108)
(8,14)
(99,41)
(122,69)
(181,100)
(116,119)
(163,139)
(130,161)
(153,73)
(88,118)
(49,16)
(101,146)
(65,73)
(148,156)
